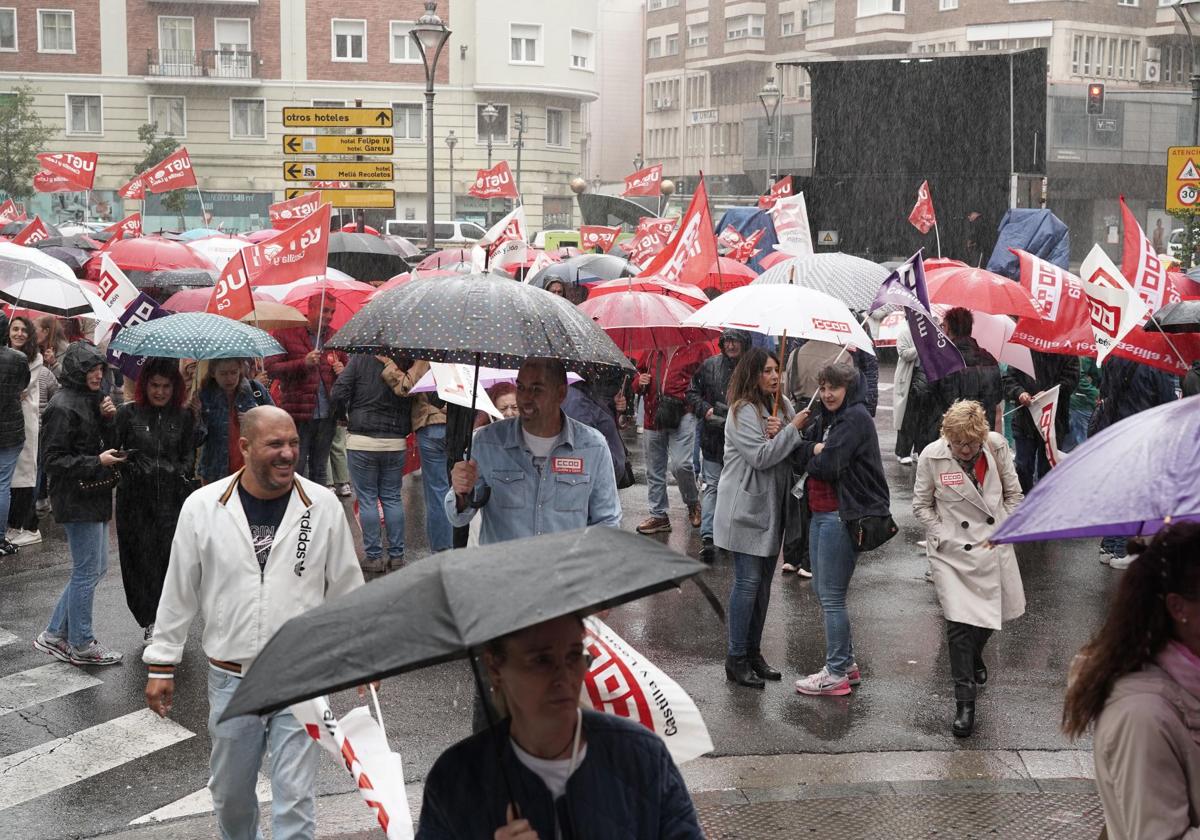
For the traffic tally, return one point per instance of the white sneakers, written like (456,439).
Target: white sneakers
(19,536)
(823,683)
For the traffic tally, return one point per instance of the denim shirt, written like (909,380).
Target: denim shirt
(577,488)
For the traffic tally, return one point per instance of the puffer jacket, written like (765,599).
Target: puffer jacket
(708,389)
(14,379)
(74,434)
(367,401)
(298,381)
(214,417)
(979,381)
(1051,369)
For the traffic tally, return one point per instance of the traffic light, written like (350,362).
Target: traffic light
(1095,100)
(519,122)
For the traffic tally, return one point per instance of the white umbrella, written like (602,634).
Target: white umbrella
(488,377)
(218,249)
(32,279)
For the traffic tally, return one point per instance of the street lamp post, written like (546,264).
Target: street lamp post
(489,121)
(769,96)
(431,36)
(451,142)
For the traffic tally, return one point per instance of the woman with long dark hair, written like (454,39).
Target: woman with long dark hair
(750,520)
(22,517)
(156,431)
(1138,682)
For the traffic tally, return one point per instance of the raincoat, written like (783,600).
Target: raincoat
(75,434)
(25,474)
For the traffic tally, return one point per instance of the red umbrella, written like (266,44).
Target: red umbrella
(644,321)
(196,300)
(772,259)
(680,291)
(728,274)
(980,290)
(443,259)
(400,279)
(353,228)
(151,253)
(943,262)
(348,297)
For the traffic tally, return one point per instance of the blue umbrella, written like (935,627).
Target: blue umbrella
(196,335)
(199,233)
(1131,479)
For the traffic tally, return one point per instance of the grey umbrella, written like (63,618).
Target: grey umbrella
(1181,317)
(852,280)
(365,256)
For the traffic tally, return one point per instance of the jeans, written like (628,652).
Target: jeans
(8,465)
(338,470)
(1031,462)
(673,448)
(1114,545)
(238,746)
(316,439)
(748,601)
(72,617)
(1079,427)
(833,559)
(431,443)
(965,643)
(710,476)
(377,478)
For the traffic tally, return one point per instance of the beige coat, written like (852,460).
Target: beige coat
(1147,758)
(906,361)
(25,474)
(975,584)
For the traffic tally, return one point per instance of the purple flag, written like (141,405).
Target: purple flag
(142,309)
(906,287)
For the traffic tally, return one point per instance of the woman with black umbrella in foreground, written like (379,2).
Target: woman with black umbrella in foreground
(573,773)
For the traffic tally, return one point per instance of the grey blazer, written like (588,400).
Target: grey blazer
(754,483)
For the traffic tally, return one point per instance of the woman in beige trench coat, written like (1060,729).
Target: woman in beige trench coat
(966,486)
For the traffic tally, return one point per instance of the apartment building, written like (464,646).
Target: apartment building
(706,61)
(216,74)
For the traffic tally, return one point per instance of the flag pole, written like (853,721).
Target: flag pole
(938,237)
(1167,339)
(200,196)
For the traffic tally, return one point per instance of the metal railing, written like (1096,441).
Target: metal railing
(202,64)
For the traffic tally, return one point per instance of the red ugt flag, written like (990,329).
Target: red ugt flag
(300,251)
(922,216)
(231,296)
(497,182)
(9,212)
(692,250)
(32,233)
(780,189)
(285,213)
(646,181)
(172,173)
(51,182)
(77,167)
(598,236)
(127,228)
(135,189)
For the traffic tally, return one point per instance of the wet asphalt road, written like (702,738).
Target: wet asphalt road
(904,703)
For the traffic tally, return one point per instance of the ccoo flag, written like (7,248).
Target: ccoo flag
(906,287)
(1044,407)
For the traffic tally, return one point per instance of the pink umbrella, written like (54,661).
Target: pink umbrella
(644,321)
(257,236)
(400,279)
(348,297)
(679,291)
(728,274)
(353,228)
(443,259)
(772,259)
(196,300)
(979,291)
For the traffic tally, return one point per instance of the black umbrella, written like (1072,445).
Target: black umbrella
(82,243)
(174,278)
(1181,317)
(365,257)
(449,606)
(75,258)
(13,228)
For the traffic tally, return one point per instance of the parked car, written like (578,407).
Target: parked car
(444,233)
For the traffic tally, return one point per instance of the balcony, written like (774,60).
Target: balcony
(229,67)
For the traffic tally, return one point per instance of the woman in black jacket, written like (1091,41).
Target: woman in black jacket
(840,455)
(157,433)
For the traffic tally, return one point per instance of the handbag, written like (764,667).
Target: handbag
(869,532)
(668,414)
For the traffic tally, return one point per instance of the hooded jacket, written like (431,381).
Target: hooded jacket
(74,435)
(707,390)
(14,378)
(979,381)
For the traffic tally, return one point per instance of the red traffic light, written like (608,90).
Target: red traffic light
(1095,99)
(1095,90)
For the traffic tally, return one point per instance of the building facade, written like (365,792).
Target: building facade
(216,74)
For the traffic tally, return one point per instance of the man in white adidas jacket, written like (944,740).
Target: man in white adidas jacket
(250,552)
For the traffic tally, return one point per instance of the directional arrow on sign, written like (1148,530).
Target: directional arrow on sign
(383,118)
(293,144)
(294,171)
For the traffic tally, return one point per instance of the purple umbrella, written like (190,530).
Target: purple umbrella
(1131,479)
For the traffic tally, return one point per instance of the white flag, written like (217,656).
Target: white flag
(454,383)
(791,226)
(116,289)
(1044,408)
(1115,307)
(511,229)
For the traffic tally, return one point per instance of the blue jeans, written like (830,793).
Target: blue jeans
(72,618)
(238,746)
(431,443)
(1114,545)
(671,448)
(316,441)
(1030,461)
(748,601)
(833,559)
(8,465)
(377,478)
(1079,427)
(710,476)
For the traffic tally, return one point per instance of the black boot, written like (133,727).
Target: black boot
(708,551)
(738,670)
(964,718)
(980,673)
(762,669)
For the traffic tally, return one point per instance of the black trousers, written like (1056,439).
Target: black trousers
(904,443)
(966,643)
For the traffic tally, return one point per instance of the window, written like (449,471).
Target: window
(84,114)
(581,49)
(406,120)
(232,37)
(947,5)
(176,37)
(56,30)
(671,45)
(8,30)
(1124,57)
(654,48)
(349,40)
(697,35)
(1127,2)
(787,24)
(557,127)
(820,12)
(523,40)
(499,127)
(879,7)
(743,26)
(169,115)
(246,119)
(1089,48)
(404,48)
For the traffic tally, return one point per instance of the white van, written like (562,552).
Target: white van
(444,233)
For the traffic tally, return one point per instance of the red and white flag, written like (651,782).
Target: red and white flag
(300,251)
(791,226)
(497,182)
(649,238)
(598,236)
(135,189)
(505,244)
(922,216)
(231,295)
(51,182)
(128,228)
(1115,306)
(32,233)
(692,251)
(116,289)
(284,214)
(780,189)
(77,167)
(9,212)
(172,173)
(1044,408)
(646,181)
(738,247)
(1065,325)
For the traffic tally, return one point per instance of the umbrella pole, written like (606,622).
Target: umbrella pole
(938,237)
(782,370)
(490,712)
(474,388)
(1166,338)
(320,316)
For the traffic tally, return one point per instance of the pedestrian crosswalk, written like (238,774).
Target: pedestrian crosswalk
(39,685)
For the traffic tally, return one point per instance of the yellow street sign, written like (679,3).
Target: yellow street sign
(1183,178)
(301,170)
(337,117)
(351,198)
(337,144)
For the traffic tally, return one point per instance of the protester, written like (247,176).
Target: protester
(840,455)
(1191,382)
(47,388)
(249,553)
(157,434)
(906,362)
(539,473)
(966,486)
(573,773)
(80,462)
(22,514)
(583,405)
(225,398)
(670,433)
(1051,369)
(338,467)
(1083,402)
(305,374)
(979,381)
(504,397)
(750,521)
(379,423)
(707,394)
(1138,682)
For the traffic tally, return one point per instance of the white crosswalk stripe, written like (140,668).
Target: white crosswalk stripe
(199,802)
(53,765)
(37,685)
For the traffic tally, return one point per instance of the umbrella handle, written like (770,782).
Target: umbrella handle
(480,499)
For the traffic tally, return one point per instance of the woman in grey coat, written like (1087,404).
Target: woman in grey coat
(750,518)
